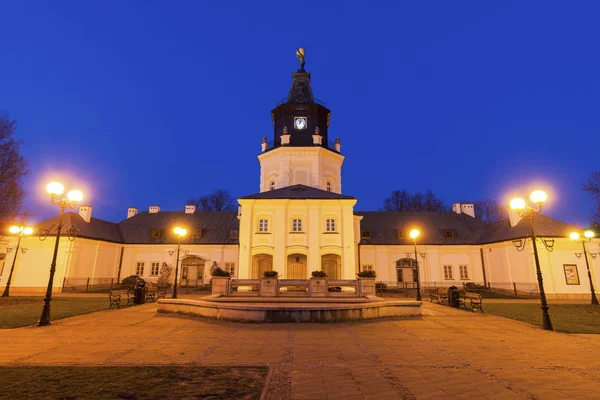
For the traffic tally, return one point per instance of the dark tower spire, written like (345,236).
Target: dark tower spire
(301,114)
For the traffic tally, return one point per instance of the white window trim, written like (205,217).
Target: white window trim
(464,268)
(451,269)
(268,225)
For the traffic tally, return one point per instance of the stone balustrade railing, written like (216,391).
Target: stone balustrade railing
(315,287)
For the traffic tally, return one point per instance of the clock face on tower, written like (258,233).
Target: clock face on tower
(300,122)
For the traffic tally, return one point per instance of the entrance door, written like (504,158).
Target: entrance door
(332,265)
(192,270)
(260,264)
(296,267)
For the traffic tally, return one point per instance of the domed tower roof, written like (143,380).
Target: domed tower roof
(301,115)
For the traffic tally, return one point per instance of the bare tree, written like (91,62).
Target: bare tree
(592,186)
(218,200)
(13,167)
(401,200)
(490,211)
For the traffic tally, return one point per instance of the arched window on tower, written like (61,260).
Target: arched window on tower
(328,186)
(272,185)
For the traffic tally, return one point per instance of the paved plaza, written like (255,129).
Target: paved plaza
(446,354)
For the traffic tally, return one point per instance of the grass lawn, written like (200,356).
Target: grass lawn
(23,311)
(139,382)
(570,318)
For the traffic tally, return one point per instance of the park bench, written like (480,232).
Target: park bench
(115,297)
(440,295)
(475,299)
(154,292)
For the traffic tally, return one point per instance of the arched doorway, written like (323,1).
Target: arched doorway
(260,264)
(406,264)
(192,271)
(296,267)
(332,265)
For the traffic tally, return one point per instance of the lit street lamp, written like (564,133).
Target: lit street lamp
(588,235)
(73,197)
(19,231)
(538,197)
(180,232)
(414,234)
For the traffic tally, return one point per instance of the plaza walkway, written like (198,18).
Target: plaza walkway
(447,354)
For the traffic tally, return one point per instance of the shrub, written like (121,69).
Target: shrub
(367,274)
(132,280)
(219,272)
(335,289)
(380,286)
(319,274)
(472,286)
(271,274)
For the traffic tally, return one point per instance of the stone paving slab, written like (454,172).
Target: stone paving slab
(446,354)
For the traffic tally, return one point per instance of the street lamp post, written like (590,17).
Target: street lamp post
(19,231)
(180,232)
(73,197)
(414,234)
(538,197)
(588,235)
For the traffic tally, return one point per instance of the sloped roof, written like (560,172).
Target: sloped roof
(95,229)
(300,90)
(543,225)
(299,192)
(214,225)
(386,225)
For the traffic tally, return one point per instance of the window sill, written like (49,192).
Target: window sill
(262,233)
(464,279)
(330,233)
(295,233)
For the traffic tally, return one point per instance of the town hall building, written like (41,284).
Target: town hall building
(300,221)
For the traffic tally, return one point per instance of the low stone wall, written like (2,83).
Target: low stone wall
(291,312)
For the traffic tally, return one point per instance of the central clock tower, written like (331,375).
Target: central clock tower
(300,114)
(301,151)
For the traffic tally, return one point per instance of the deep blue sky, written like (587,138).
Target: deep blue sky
(146,103)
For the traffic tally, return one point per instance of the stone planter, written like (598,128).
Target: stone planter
(220,285)
(269,287)
(366,287)
(317,287)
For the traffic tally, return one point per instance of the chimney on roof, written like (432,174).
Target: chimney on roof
(131,212)
(456,208)
(190,209)
(85,212)
(467,208)
(154,209)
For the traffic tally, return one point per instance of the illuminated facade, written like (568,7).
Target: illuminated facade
(299,221)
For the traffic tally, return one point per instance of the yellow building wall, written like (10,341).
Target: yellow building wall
(313,241)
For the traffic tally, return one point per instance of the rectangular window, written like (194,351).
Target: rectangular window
(230,267)
(464,272)
(233,234)
(367,268)
(448,272)
(155,233)
(297,225)
(263,225)
(139,269)
(330,225)
(571,274)
(154,269)
(366,234)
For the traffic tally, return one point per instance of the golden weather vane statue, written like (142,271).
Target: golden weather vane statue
(300,55)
